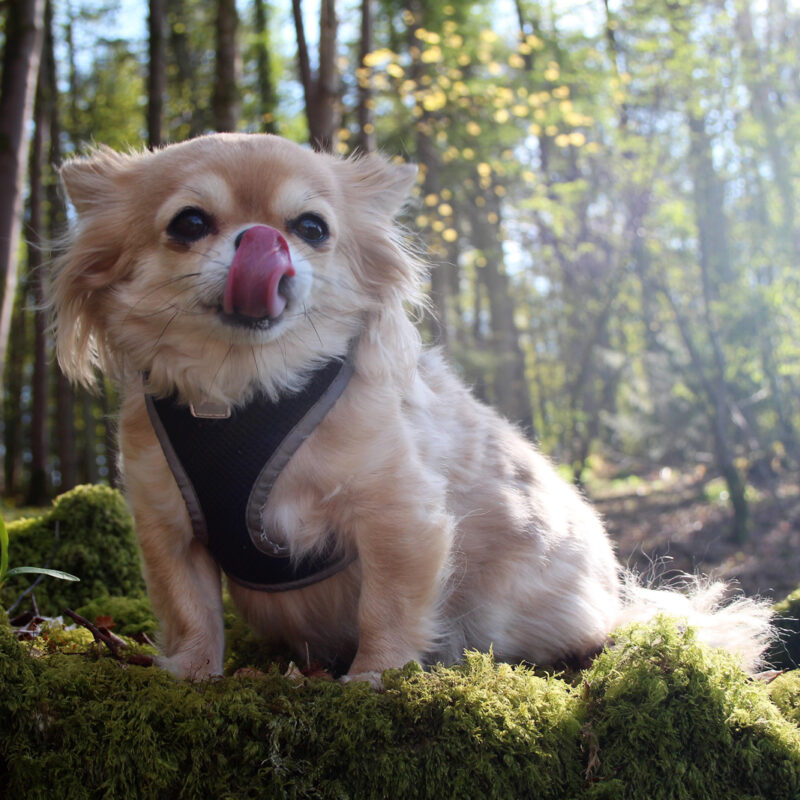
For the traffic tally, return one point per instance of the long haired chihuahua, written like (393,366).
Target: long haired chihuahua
(282,424)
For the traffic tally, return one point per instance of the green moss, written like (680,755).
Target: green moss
(95,542)
(131,615)
(659,716)
(785,653)
(669,718)
(785,693)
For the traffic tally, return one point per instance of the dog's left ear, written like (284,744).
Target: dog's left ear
(383,184)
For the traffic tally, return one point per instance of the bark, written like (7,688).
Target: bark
(510,384)
(266,85)
(23,44)
(366,113)
(718,413)
(89,469)
(37,485)
(107,400)
(12,406)
(185,85)
(65,418)
(65,433)
(225,101)
(761,107)
(157,71)
(714,258)
(321,91)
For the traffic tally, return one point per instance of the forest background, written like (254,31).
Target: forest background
(607,199)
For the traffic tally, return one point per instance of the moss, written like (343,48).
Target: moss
(669,718)
(785,653)
(785,693)
(95,542)
(659,716)
(130,615)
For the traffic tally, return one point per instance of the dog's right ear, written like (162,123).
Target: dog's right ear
(93,260)
(89,181)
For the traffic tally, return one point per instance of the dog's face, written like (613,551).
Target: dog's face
(224,245)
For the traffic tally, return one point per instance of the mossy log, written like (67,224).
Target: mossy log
(656,716)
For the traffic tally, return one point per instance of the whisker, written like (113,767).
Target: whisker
(164,330)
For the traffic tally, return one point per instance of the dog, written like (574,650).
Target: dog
(219,280)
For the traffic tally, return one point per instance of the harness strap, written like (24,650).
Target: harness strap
(225,469)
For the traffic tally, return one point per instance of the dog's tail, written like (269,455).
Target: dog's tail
(742,626)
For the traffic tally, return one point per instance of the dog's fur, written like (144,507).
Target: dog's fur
(465,535)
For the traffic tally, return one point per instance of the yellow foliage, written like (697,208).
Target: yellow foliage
(376,57)
(435,100)
(472,128)
(449,234)
(445,209)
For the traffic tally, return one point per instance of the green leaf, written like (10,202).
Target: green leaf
(53,573)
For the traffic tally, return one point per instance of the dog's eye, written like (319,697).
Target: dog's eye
(310,227)
(189,225)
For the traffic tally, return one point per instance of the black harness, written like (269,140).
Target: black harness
(226,466)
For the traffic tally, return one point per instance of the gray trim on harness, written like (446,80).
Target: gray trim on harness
(288,447)
(259,494)
(196,514)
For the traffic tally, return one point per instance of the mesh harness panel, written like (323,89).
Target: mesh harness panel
(225,469)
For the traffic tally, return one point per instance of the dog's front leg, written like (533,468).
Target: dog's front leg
(403,557)
(183,581)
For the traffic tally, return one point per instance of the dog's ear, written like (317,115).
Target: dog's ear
(90,181)
(93,259)
(383,184)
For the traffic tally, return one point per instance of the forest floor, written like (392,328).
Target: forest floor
(671,520)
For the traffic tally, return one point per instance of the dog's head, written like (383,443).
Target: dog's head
(228,252)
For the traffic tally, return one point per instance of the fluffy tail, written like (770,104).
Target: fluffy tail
(741,626)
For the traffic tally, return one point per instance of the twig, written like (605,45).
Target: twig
(99,636)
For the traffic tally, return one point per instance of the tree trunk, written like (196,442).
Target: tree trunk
(65,433)
(225,102)
(37,485)
(23,45)
(157,71)
(715,270)
(89,449)
(366,111)
(266,85)
(321,92)
(12,406)
(107,399)
(511,390)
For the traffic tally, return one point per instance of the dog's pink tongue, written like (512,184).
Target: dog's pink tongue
(253,287)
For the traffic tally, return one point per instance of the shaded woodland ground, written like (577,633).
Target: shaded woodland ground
(671,520)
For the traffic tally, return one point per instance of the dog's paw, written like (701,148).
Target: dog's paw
(186,668)
(373,678)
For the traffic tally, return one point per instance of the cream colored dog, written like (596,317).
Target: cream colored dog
(234,267)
